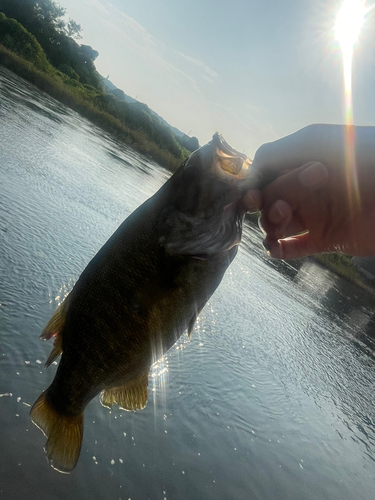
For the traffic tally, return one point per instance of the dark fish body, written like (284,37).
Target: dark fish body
(140,293)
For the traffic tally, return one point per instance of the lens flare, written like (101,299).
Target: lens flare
(348,25)
(349,22)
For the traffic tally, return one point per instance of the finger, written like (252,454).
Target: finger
(315,142)
(291,248)
(273,221)
(313,175)
(296,185)
(280,213)
(252,201)
(276,232)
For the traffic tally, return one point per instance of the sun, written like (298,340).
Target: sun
(349,23)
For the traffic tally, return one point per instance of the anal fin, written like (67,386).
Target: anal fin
(191,326)
(131,396)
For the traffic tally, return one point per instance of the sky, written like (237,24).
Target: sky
(254,70)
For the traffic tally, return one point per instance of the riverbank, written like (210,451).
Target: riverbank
(51,83)
(341,264)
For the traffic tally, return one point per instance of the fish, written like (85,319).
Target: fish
(144,288)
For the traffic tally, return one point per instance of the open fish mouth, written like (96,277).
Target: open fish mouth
(234,168)
(229,160)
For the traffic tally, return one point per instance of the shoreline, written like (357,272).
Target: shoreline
(338,263)
(55,87)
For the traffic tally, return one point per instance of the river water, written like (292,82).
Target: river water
(272,398)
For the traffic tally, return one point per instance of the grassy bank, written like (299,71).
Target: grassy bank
(57,85)
(341,264)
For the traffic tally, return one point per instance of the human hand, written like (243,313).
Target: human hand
(312,197)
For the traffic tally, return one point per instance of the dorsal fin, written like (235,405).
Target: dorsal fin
(131,396)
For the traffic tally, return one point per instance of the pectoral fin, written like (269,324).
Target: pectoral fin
(131,396)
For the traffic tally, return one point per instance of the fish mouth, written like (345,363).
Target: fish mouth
(234,168)
(208,218)
(228,160)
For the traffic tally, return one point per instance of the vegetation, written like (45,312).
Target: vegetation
(339,263)
(342,265)
(76,98)
(44,20)
(14,36)
(50,58)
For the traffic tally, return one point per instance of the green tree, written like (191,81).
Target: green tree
(73,29)
(44,19)
(189,143)
(15,37)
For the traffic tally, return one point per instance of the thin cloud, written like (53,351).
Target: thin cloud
(132,34)
(145,36)
(97,5)
(208,79)
(200,64)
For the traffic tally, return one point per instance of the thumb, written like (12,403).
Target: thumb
(293,247)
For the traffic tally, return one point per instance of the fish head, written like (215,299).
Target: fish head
(203,214)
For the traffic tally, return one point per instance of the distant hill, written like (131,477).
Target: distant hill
(190,143)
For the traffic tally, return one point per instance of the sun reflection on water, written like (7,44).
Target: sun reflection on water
(62,293)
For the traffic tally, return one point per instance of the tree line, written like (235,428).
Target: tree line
(37,31)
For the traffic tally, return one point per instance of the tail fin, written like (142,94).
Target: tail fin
(64,434)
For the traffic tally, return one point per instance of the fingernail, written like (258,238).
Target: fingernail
(267,247)
(275,251)
(314,175)
(250,201)
(276,213)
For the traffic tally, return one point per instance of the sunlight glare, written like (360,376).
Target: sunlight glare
(348,25)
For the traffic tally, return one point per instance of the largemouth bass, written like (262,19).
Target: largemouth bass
(142,290)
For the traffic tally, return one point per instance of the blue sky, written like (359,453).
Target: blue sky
(254,70)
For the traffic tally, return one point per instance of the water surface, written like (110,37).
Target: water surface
(272,398)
